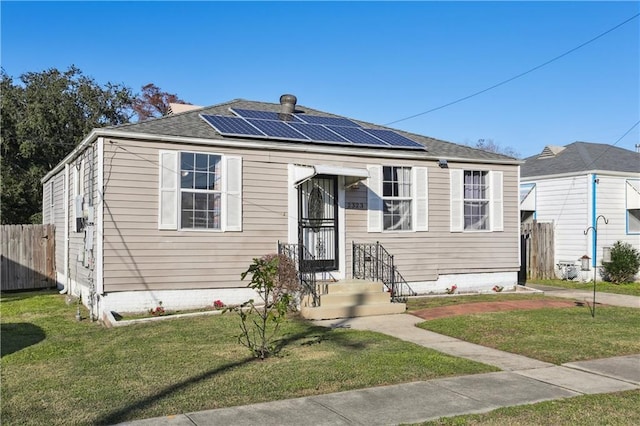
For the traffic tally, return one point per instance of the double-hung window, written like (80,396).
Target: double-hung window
(476,200)
(396,198)
(199,191)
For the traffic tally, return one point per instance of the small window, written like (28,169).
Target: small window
(51,194)
(476,200)
(396,197)
(633,219)
(633,205)
(200,191)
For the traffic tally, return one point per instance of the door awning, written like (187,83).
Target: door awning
(352,175)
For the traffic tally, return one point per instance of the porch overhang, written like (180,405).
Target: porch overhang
(352,175)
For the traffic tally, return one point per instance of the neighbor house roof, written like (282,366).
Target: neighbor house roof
(580,157)
(189,124)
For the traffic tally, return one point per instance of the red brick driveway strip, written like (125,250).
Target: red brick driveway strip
(480,307)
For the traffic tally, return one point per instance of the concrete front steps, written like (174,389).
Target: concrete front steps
(352,298)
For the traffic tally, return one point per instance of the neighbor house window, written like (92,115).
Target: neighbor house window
(633,206)
(396,198)
(476,200)
(200,190)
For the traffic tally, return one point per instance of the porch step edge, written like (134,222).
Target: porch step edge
(334,312)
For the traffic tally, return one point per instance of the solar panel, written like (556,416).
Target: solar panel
(235,126)
(296,130)
(393,138)
(316,132)
(357,136)
(327,121)
(277,129)
(264,115)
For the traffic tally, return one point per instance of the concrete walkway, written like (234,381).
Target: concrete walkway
(522,381)
(586,295)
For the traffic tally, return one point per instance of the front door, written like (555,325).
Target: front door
(318,224)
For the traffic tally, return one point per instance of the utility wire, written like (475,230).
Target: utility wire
(517,76)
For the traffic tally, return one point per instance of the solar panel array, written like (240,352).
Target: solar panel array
(306,128)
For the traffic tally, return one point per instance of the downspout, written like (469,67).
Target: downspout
(99,223)
(594,237)
(66,230)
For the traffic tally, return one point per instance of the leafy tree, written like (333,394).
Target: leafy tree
(491,146)
(153,102)
(44,117)
(624,264)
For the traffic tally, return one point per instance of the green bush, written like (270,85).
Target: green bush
(624,265)
(260,321)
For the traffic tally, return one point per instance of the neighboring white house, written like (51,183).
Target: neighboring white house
(174,209)
(577,187)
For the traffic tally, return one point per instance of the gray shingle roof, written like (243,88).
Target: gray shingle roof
(582,157)
(189,124)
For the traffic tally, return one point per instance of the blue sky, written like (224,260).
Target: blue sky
(374,61)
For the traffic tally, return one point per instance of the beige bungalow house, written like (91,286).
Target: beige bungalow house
(174,209)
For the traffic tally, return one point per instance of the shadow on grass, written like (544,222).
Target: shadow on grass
(19,335)
(123,414)
(16,296)
(312,335)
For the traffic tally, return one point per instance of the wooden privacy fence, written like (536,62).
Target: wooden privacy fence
(27,254)
(538,250)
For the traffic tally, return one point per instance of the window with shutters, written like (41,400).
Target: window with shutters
(199,191)
(396,198)
(476,200)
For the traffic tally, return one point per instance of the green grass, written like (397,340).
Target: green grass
(56,370)
(555,335)
(619,408)
(632,289)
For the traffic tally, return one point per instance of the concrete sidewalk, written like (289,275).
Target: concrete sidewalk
(522,381)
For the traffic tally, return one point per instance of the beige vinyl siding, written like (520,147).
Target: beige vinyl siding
(53,213)
(78,272)
(422,256)
(138,256)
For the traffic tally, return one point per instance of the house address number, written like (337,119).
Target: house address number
(356,206)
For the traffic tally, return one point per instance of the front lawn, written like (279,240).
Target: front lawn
(56,370)
(620,408)
(555,335)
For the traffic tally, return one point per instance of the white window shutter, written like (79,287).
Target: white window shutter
(168,190)
(457,219)
(374,199)
(497,216)
(232,210)
(421,198)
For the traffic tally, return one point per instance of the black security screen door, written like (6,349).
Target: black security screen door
(318,224)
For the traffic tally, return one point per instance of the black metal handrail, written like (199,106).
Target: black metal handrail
(374,262)
(307,278)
